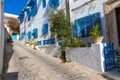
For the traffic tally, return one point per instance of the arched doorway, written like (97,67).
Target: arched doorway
(14,36)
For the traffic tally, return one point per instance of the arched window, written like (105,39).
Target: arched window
(54,3)
(35,33)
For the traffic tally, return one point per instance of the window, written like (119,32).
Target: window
(45,29)
(54,3)
(35,33)
(43,3)
(84,26)
(39,43)
(29,35)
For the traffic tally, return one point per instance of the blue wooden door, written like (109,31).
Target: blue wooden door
(109,57)
(14,36)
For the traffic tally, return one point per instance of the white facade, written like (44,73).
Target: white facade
(38,20)
(83,13)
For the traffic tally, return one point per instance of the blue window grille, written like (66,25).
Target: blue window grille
(29,35)
(45,29)
(109,56)
(49,41)
(43,3)
(39,43)
(84,26)
(54,3)
(35,33)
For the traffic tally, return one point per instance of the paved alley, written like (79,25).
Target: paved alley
(24,63)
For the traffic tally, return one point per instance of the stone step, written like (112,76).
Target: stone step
(117,65)
(118,59)
(117,56)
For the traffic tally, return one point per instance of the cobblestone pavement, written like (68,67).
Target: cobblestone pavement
(24,63)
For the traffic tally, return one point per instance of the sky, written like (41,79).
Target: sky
(14,6)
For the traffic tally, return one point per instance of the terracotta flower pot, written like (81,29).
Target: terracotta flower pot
(98,40)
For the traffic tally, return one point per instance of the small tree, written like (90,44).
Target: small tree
(14,24)
(62,27)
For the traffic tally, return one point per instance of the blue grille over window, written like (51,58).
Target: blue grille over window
(29,35)
(35,33)
(45,29)
(39,43)
(49,41)
(43,3)
(54,3)
(84,26)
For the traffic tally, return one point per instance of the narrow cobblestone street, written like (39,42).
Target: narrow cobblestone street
(23,63)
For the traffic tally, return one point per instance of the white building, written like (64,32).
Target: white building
(34,19)
(1,37)
(87,13)
(83,13)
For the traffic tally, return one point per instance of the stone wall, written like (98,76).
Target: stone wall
(1,37)
(91,57)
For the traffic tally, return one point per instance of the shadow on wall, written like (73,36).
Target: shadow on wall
(7,57)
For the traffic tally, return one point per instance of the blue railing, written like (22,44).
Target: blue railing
(109,62)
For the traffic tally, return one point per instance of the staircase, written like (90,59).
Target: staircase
(117,56)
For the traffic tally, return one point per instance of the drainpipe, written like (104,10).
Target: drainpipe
(67,9)
(25,26)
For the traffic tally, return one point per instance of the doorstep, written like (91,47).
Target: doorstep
(113,74)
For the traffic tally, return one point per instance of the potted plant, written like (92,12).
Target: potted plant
(96,34)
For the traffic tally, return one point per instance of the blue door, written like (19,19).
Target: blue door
(14,36)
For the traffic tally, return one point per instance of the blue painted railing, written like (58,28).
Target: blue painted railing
(109,62)
(49,41)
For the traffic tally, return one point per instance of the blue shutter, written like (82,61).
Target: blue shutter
(45,29)
(29,35)
(35,33)
(43,3)
(54,3)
